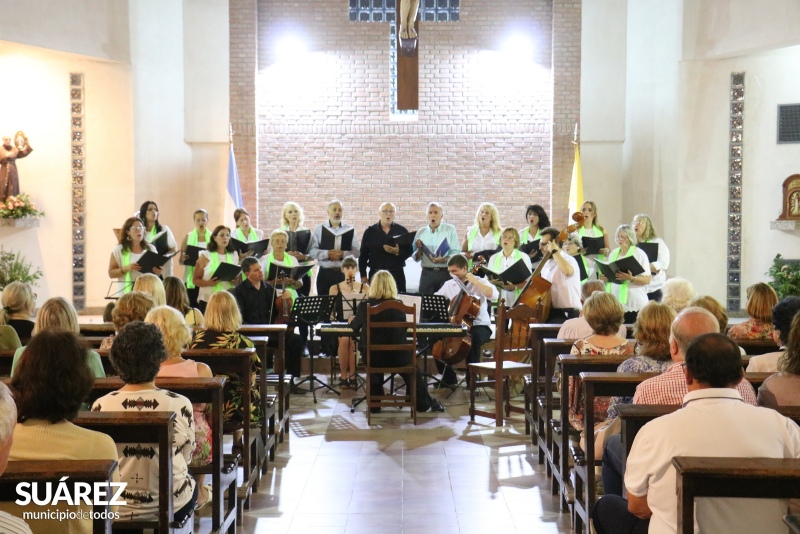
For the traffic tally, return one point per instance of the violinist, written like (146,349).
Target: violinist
(458,267)
(562,271)
(504,259)
(347,345)
(257,301)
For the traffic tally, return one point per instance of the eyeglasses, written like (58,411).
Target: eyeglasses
(137,227)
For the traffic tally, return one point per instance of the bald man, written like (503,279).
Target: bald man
(380,251)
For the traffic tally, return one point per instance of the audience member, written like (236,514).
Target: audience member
(136,355)
(130,307)
(18,303)
(783,388)
(178,298)
(761,298)
(9,340)
(9,524)
(677,293)
(712,305)
(782,315)
(153,286)
(577,327)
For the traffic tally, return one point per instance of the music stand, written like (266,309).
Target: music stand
(435,309)
(120,287)
(312,311)
(349,305)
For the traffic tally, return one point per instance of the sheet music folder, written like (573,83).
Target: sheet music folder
(530,246)
(404,239)
(609,270)
(651,249)
(343,241)
(193,254)
(299,241)
(295,273)
(150,260)
(515,274)
(226,272)
(593,244)
(259,248)
(441,250)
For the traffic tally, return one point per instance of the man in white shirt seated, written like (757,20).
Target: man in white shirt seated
(562,271)
(9,524)
(782,315)
(578,328)
(715,422)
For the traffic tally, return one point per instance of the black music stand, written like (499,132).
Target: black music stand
(312,311)
(349,307)
(435,309)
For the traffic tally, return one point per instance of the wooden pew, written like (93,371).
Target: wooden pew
(543,404)
(41,471)
(766,478)
(755,347)
(572,365)
(223,474)
(96,329)
(594,384)
(152,427)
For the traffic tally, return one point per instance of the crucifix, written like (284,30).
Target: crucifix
(408,58)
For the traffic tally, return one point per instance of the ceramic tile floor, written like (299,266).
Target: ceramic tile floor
(336,475)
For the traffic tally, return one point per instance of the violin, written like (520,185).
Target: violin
(284,305)
(463,310)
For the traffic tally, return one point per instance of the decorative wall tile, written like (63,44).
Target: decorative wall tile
(735,191)
(733,277)
(78,166)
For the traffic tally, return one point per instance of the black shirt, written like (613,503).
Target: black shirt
(254,304)
(23,327)
(375,257)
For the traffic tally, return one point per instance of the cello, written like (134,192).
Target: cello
(463,310)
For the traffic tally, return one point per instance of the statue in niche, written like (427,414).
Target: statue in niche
(407,33)
(9,154)
(791,198)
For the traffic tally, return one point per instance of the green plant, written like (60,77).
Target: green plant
(785,277)
(14,268)
(17,207)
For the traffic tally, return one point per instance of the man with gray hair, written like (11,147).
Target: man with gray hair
(9,524)
(380,250)
(441,241)
(577,327)
(330,259)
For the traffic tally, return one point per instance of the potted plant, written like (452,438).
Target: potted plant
(14,268)
(785,276)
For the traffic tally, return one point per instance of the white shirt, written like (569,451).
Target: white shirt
(11,524)
(765,363)
(637,295)
(712,422)
(504,263)
(578,328)
(206,292)
(171,244)
(566,290)
(321,255)
(134,257)
(482,242)
(451,289)
(661,263)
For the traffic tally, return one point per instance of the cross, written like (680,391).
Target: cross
(407,21)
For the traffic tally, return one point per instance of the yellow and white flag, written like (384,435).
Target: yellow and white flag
(576,185)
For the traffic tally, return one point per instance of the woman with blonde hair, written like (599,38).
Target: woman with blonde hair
(713,305)
(153,286)
(383,289)
(604,314)
(677,293)
(178,298)
(761,298)
(591,228)
(292,218)
(177,335)
(629,288)
(646,233)
(130,307)
(222,323)
(485,233)
(17,308)
(58,314)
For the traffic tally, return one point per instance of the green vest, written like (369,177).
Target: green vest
(289,261)
(219,286)
(252,237)
(192,240)
(126,260)
(472,234)
(623,287)
(498,262)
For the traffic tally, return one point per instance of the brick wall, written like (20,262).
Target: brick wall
(484,129)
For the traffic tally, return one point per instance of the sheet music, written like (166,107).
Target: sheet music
(411,300)
(337,242)
(350,303)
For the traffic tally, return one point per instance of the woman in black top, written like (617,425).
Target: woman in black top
(18,305)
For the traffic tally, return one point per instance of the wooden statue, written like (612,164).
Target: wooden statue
(9,154)
(791,199)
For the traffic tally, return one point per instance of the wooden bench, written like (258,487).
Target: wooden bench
(765,478)
(755,347)
(595,384)
(572,365)
(542,405)
(222,470)
(96,329)
(51,471)
(144,427)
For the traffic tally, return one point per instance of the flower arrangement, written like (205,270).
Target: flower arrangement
(785,277)
(14,268)
(17,207)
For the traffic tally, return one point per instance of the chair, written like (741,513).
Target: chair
(380,340)
(512,347)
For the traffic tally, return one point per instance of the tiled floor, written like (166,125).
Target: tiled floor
(336,475)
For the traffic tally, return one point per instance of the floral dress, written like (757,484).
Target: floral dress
(751,329)
(232,407)
(601,404)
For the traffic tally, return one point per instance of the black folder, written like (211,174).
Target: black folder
(259,248)
(581,267)
(515,274)
(193,253)
(404,240)
(295,273)
(625,264)
(485,254)
(161,243)
(299,241)
(226,272)
(593,244)
(530,246)
(651,249)
(150,260)
(328,241)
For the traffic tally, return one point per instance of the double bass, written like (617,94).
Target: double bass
(463,310)
(536,293)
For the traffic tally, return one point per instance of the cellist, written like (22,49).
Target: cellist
(562,271)
(458,267)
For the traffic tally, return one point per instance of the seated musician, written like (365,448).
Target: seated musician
(257,301)
(713,422)
(504,259)
(136,355)
(383,288)
(347,346)
(480,332)
(562,271)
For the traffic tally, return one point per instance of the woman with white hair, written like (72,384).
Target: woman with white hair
(630,289)
(677,293)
